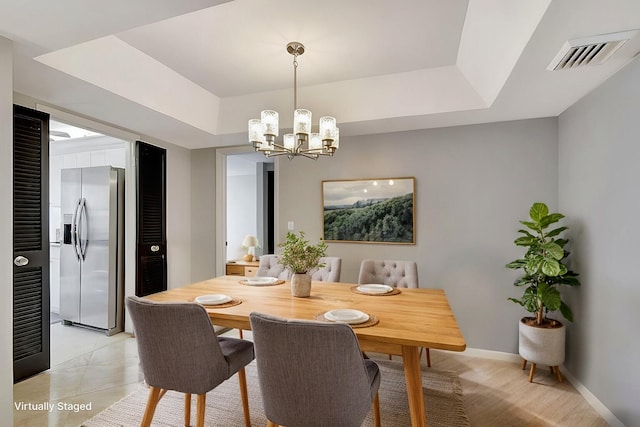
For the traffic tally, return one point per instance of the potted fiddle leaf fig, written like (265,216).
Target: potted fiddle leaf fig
(299,257)
(541,338)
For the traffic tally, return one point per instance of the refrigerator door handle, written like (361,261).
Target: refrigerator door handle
(74,231)
(83,241)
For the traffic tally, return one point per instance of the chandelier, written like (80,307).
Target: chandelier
(302,142)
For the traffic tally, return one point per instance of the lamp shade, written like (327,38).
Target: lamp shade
(250,241)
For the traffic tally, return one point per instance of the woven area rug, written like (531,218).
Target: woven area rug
(442,395)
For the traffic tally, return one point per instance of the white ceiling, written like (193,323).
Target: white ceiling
(193,72)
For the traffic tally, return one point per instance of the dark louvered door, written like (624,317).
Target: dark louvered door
(151,257)
(30,242)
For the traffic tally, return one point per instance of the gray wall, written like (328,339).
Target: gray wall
(473,183)
(598,189)
(203,214)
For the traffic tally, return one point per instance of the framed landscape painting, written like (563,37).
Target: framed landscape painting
(369,210)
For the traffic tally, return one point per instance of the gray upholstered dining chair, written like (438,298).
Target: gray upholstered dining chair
(269,266)
(399,274)
(180,351)
(312,373)
(330,272)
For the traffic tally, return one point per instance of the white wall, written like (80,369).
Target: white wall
(6,230)
(598,188)
(473,184)
(241,213)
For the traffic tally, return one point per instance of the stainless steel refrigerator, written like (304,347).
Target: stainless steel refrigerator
(92,248)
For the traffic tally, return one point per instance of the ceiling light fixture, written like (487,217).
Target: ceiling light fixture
(302,142)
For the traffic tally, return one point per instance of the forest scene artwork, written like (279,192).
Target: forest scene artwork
(369,210)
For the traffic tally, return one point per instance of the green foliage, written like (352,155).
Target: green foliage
(543,265)
(299,256)
(387,221)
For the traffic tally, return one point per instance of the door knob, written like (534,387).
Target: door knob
(21,261)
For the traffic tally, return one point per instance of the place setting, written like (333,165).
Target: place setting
(261,281)
(375,289)
(217,301)
(354,318)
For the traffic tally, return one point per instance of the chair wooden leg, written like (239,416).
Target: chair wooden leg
(524,364)
(533,369)
(242,379)
(155,394)
(428,357)
(187,409)
(376,410)
(558,373)
(270,424)
(201,404)
(240,333)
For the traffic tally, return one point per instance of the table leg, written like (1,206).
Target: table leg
(413,377)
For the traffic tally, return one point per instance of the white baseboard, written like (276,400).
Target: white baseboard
(493,355)
(595,403)
(591,399)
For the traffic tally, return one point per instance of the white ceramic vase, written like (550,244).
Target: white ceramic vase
(543,346)
(301,285)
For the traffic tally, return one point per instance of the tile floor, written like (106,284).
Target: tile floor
(87,367)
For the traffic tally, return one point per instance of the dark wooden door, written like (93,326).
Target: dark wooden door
(31,339)
(151,245)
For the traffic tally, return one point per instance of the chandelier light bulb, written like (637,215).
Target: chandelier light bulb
(269,119)
(289,141)
(315,143)
(327,127)
(302,122)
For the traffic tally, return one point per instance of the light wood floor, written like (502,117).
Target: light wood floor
(498,393)
(88,367)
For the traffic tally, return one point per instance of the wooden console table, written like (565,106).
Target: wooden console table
(242,268)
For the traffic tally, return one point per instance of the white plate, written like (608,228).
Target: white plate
(346,315)
(375,289)
(215,299)
(261,280)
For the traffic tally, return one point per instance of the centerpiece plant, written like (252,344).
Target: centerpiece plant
(299,256)
(543,265)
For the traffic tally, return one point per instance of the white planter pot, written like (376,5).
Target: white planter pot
(301,285)
(543,346)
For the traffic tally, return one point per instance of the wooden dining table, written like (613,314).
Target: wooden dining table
(406,320)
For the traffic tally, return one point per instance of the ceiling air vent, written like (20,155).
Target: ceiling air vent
(585,51)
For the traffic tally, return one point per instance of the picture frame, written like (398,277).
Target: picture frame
(374,210)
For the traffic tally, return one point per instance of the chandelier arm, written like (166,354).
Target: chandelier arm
(308,156)
(277,153)
(316,153)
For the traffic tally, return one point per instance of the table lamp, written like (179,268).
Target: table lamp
(250,242)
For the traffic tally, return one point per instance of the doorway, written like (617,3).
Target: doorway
(72,147)
(246,203)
